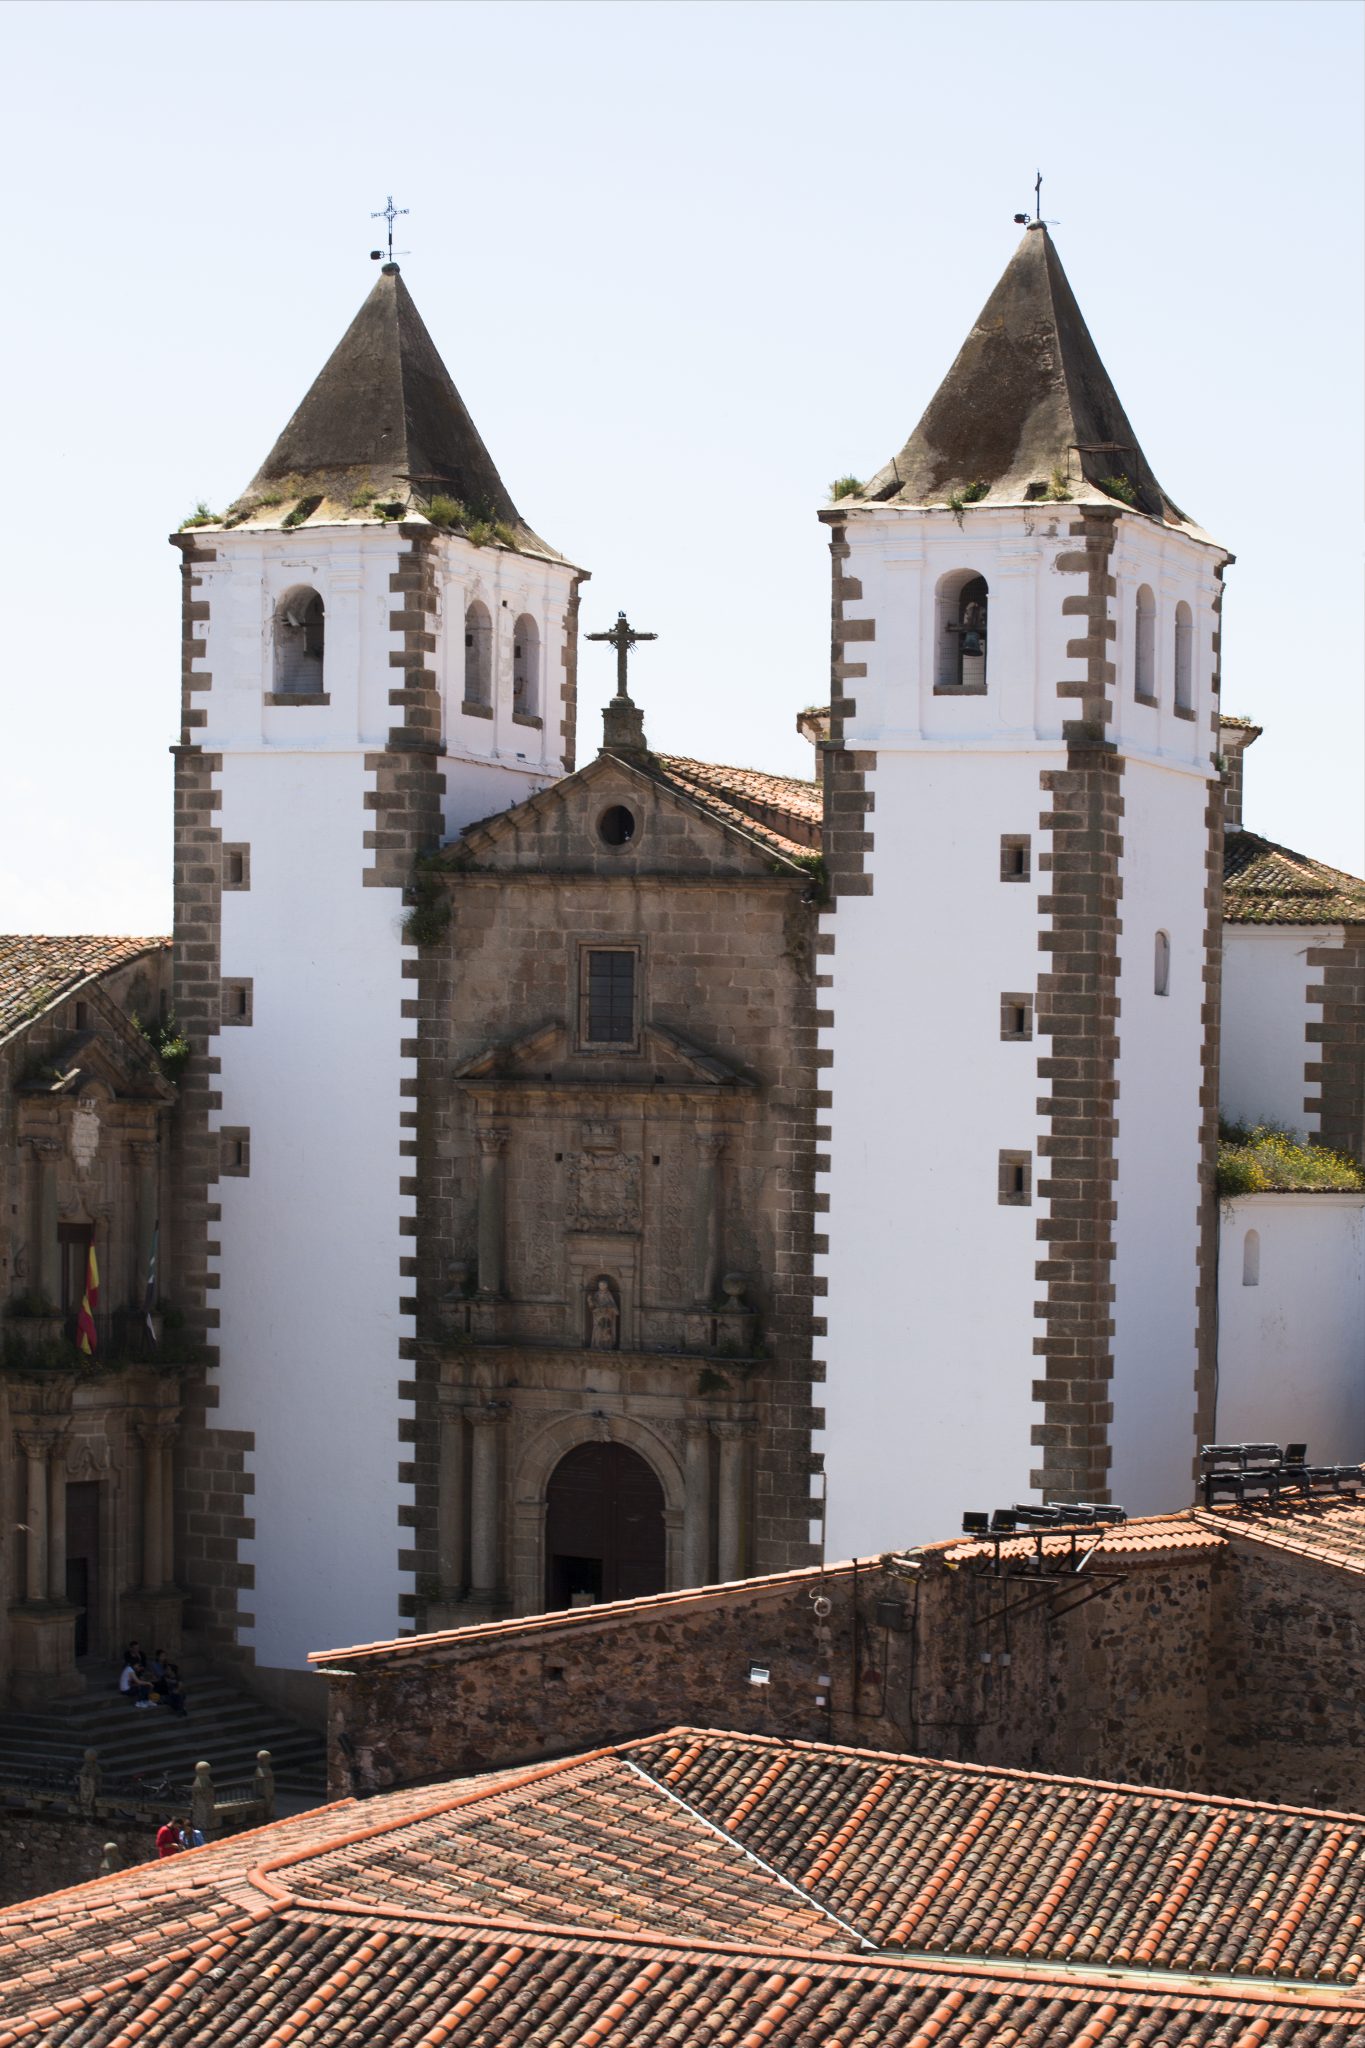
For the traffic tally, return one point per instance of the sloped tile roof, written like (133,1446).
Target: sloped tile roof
(782,811)
(1327,1532)
(1150,1539)
(959,1859)
(718,1889)
(1268,884)
(36,972)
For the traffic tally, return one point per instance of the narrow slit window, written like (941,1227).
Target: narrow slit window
(1161,965)
(1251,1259)
(609,998)
(1015,857)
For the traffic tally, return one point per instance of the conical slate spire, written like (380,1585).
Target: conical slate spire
(1027,407)
(384,415)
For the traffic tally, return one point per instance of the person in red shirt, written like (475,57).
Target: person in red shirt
(168,1841)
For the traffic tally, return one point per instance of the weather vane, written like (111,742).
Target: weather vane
(622,637)
(390,213)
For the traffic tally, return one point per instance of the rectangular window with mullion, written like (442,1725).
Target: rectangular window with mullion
(609,998)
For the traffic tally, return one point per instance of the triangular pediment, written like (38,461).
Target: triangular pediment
(560,828)
(114,1059)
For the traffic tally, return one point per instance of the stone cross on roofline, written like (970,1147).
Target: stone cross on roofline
(623,725)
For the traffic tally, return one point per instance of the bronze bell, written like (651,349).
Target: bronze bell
(971,641)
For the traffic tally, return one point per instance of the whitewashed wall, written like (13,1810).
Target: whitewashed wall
(1266,1013)
(1291,1346)
(1163,874)
(309,1267)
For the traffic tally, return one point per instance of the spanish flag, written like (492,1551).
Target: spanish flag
(87,1337)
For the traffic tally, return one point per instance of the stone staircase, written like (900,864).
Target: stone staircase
(226,1725)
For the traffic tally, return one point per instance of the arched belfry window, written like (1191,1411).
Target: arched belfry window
(1161,965)
(1144,646)
(478,656)
(960,621)
(299,636)
(526,666)
(1184,657)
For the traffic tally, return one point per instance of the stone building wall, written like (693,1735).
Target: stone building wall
(38,1855)
(1116,1688)
(674,1165)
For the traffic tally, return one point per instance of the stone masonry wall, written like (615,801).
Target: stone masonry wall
(1338,1040)
(38,1855)
(1115,1688)
(1290,1721)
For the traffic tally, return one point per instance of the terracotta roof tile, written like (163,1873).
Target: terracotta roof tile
(1327,1531)
(1148,1539)
(1268,884)
(692,1889)
(782,811)
(36,972)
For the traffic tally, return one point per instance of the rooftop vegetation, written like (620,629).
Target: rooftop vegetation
(1263,1159)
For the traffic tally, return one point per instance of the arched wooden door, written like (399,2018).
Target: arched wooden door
(604,1527)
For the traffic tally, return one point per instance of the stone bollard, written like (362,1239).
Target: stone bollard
(264,1786)
(88,1783)
(202,1814)
(111,1860)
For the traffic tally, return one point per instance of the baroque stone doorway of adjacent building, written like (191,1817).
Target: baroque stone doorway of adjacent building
(604,1527)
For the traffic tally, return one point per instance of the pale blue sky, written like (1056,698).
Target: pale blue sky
(686,263)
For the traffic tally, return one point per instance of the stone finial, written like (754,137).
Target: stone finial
(111,1860)
(202,1799)
(265,1782)
(88,1781)
(623,727)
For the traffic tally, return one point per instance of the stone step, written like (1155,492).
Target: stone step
(226,1725)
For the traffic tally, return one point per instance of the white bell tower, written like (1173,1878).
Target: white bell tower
(378,650)
(1023,822)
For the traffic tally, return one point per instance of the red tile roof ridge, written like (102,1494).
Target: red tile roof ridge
(1272,1533)
(1180,1530)
(584,1617)
(1013,1773)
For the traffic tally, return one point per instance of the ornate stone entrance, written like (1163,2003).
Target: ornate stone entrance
(604,1527)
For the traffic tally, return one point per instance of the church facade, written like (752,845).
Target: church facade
(589,1181)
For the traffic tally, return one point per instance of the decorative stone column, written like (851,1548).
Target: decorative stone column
(155,1438)
(697,1504)
(35,1445)
(730,1499)
(146,1155)
(492,1197)
(56,1521)
(450,1515)
(46,1277)
(484,1547)
(710,1218)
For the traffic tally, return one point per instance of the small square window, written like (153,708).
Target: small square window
(1016,1016)
(608,996)
(237,1002)
(236,867)
(234,1156)
(1016,1179)
(1015,856)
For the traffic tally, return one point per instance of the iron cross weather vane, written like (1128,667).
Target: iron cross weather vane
(622,637)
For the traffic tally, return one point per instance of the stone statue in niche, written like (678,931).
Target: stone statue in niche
(604,1316)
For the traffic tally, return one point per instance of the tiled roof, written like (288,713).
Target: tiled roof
(35,972)
(1268,884)
(778,809)
(722,1890)
(1149,1539)
(958,1859)
(1328,1531)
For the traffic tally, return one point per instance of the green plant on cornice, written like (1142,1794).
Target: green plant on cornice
(444,511)
(846,487)
(201,516)
(305,509)
(1120,487)
(172,1049)
(426,921)
(1058,490)
(970,494)
(816,867)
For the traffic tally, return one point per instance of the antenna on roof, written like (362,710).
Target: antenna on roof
(390,213)
(1035,219)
